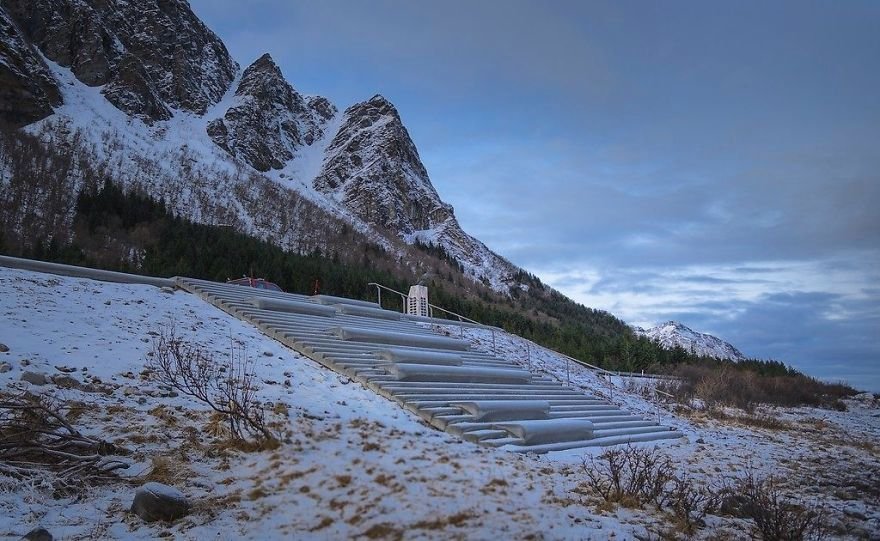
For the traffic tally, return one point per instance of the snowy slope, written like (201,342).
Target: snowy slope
(356,465)
(673,334)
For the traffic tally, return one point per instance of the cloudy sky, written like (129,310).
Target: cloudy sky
(717,163)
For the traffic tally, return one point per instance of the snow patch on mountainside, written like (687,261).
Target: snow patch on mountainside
(673,334)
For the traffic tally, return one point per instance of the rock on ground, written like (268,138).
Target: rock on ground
(155,501)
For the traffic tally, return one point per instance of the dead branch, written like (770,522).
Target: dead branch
(36,437)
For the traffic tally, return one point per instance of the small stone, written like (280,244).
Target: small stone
(169,290)
(5,367)
(268,353)
(107,302)
(65,369)
(24,362)
(4,348)
(155,501)
(142,400)
(700,440)
(34,378)
(38,534)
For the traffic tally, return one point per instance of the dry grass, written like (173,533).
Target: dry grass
(384,530)
(166,470)
(763,421)
(456,521)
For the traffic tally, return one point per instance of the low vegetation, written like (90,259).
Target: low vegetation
(719,384)
(228,388)
(636,477)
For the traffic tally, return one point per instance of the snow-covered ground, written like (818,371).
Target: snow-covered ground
(356,464)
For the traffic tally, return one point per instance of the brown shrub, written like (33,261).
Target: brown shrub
(727,385)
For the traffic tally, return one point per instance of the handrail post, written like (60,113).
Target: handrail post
(567,370)
(493,342)
(379,294)
(529,356)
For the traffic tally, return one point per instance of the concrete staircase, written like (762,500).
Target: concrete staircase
(471,394)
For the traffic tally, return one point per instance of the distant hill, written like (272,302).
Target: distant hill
(672,334)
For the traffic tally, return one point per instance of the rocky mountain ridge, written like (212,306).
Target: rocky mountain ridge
(673,334)
(269,120)
(190,116)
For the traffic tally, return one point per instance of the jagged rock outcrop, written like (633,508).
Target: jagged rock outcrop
(374,169)
(27,90)
(673,334)
(153,55)
(270,119)
(131,92)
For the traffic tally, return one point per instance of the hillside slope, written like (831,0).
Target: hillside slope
(356,464)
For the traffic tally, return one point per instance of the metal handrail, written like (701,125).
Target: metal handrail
(405,297)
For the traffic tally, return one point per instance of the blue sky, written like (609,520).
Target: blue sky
(717,163)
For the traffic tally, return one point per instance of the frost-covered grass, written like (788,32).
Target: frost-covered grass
(356,464)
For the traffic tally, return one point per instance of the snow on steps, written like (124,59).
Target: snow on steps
(439,378)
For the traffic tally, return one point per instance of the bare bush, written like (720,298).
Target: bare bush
(636,476)
(776,517)
(228,389)
(690,502)
(630,475)
(36,436)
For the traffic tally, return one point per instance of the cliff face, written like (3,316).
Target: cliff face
(150,56)
(373,168)
(27,90)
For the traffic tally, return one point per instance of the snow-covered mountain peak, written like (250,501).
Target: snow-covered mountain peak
(672,334)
